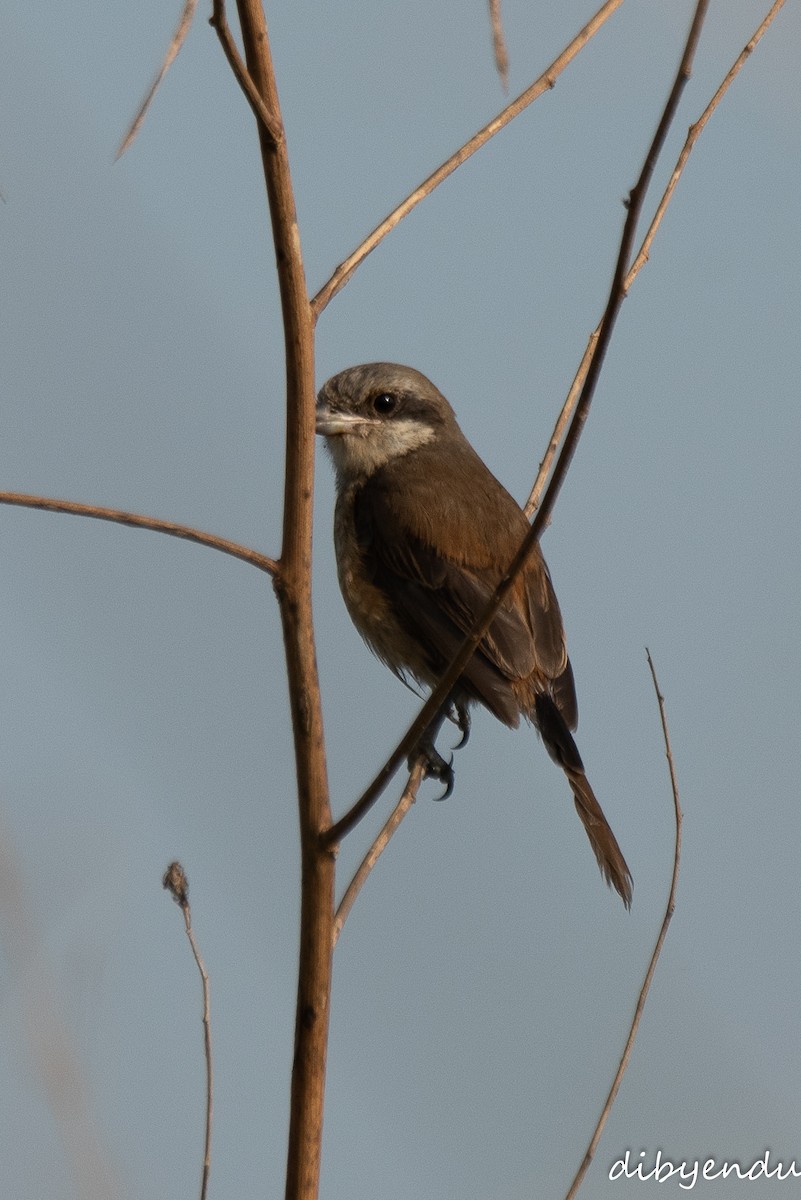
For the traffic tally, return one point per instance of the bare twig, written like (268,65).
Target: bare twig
(270,121)
(561,424)
(546,81)
(439,695)
(178,39)
(137,521)
(408,797)
(428,713)
(499,43)
(673,781)
(642,255)
(670,908)
(177,884)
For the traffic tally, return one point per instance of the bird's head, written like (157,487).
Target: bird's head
(378,412)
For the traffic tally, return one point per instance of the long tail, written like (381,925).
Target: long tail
(562,749)
(603,841)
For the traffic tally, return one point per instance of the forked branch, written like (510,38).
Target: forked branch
(270,121)
(407,799)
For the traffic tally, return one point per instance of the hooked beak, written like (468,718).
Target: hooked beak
(331,423)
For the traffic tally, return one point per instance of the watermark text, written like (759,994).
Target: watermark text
(687,1172)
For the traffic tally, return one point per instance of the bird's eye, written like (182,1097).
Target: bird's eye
(384,403)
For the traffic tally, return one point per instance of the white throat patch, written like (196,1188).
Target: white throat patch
(372,444)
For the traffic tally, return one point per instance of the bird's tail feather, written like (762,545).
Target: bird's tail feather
(563,750)
(603,841)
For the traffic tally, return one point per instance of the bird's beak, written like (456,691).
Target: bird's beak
(331,423)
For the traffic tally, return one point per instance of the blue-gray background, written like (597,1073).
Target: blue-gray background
(485,981)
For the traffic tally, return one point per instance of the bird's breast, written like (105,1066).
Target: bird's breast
(369,606)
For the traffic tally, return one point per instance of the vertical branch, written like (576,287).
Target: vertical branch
(293,589)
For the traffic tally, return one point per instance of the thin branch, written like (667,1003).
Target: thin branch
(178,39)
(561,424)
(670,908)
(642,255)
(137,521)
(407,799)
(177,884)
(673,780)
(546,81)
(439,695)
(499,43)
(270,121)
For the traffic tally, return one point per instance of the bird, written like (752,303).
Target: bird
(423,533)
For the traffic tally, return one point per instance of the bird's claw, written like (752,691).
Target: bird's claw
(436,767)
(446,775)
(462,720)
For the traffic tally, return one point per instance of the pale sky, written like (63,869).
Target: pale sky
(485,980)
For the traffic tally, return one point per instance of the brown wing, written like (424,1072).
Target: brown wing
(437,551)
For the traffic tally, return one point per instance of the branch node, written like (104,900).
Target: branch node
(270,122)
(176,883)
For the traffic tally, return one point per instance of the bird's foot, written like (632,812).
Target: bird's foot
(435,766)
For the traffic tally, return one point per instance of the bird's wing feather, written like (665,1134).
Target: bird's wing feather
(438,597)
(422,614)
